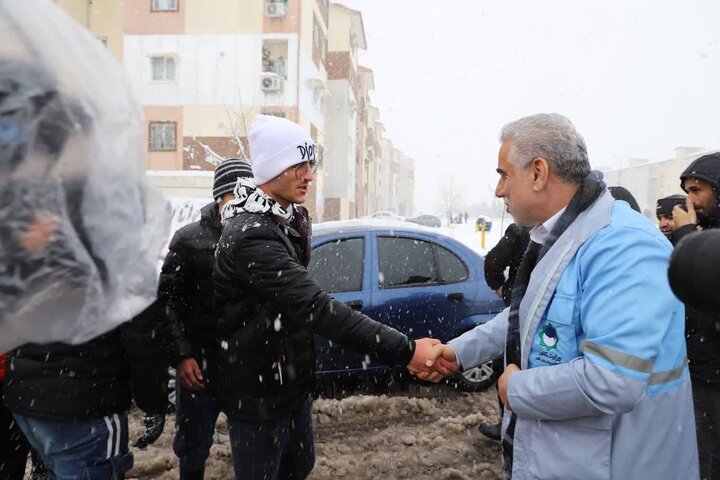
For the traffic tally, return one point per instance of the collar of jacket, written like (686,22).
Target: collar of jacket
(299,229)
(210,215)
(548,271)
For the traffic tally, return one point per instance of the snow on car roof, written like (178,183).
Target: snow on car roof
(327,228)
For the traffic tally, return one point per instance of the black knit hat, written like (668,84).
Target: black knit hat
(227,173)
(706,168)
(665,205)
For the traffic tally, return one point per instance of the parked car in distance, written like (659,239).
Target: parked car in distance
(479,221)
(385,215)
(425,220)
(420,282)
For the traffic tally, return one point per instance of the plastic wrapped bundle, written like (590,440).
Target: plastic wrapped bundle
(80,232)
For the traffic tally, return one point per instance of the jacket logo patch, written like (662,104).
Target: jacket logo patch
(548,337)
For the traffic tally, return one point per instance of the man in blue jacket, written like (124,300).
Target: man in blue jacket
(596,384)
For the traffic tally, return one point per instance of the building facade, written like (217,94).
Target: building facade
(648,181)
(202,71)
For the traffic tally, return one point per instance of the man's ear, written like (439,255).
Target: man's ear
(540,171)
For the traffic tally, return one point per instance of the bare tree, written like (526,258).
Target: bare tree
(451,197)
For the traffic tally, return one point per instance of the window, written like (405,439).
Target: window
(319,51)
(451,268)
(164,6)
(163,136)
(274,58)
(405,261)
(408,261)
(163,68)
(338,266)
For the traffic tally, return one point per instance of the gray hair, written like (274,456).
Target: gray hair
(552,137)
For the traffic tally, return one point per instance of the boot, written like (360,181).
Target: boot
(490,430)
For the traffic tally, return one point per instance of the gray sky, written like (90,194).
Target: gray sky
(637,77)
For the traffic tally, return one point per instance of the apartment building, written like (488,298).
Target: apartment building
(347,36)
(203,70)
(104,18)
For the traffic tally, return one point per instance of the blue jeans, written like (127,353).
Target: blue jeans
(278,450)
(195,417)
(95,449)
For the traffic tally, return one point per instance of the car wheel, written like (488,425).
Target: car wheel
(479,378)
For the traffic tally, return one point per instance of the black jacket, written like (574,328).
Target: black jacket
(702,330)
(185,288)
(506,254)
(270,308)
(97,378)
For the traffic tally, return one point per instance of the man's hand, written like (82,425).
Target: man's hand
(423,347)
(154,425)
(190,375)
(499,292)
(38,233)
(681,217)
(503,384)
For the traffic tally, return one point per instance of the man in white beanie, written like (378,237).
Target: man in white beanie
(270,308)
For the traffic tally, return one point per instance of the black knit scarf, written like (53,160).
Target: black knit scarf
(590,189)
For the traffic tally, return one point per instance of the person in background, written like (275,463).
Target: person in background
(701,182)
(623,194)
(664,214)
(506,255)
(185,290)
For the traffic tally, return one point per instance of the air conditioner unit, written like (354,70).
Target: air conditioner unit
(271,82)
(275,10)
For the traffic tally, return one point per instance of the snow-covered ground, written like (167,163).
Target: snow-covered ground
(465,233)
(424,432)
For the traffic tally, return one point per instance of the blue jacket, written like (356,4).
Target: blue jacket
(604,391)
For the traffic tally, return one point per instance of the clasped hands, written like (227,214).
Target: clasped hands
(433,360)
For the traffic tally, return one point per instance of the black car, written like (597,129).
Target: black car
(426,220)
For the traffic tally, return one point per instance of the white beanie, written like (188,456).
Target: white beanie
(277,144)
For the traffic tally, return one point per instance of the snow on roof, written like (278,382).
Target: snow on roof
(367,223)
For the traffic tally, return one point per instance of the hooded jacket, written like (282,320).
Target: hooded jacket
(270,308)
(185,288)
(604,391)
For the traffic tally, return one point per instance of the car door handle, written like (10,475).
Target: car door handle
(355,304)
(455,297)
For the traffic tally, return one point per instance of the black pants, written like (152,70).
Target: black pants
(283,449)
(13,446)
(706,398)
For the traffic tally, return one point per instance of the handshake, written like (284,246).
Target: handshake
(433,360)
